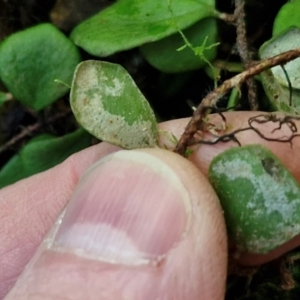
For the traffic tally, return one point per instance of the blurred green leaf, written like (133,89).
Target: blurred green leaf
(164,56)
(287,16)
(32,59)
(108,104)
(130,23)
(42,153)
(275,81)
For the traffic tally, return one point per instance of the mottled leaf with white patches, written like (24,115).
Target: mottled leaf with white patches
(108,104)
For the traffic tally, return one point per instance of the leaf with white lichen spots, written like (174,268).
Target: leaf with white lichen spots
(108,104)
(259,196)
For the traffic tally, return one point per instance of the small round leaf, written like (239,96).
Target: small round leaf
(41,153)
(108,104)
(275,80)
(260,197)
(127,24)
(32,59)
(287,16)
(164,56)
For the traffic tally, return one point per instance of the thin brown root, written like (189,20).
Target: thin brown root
(197,121)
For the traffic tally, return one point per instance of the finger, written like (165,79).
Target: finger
(29,208)
(141,224)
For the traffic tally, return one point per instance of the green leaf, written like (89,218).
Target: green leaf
(275,80)
(287,16)
(259,196)
(165,55)
(108,104)
(130,23)
(32,59)
(42,153)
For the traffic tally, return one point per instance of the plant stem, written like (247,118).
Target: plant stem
(242,46)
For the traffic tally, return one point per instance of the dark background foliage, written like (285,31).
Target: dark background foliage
(169,94)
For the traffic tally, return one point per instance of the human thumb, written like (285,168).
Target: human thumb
(141,224)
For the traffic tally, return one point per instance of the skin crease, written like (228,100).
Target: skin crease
(24,221)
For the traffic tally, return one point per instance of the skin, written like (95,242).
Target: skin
(194,267)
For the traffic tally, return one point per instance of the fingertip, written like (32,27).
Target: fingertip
(29,207)
(190,265)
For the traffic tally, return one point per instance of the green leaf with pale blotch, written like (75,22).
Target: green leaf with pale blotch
(259,196)
(164,56)
(32,59)
(287,16)
(131,23)
(42,153)
(275,81)
(108,104)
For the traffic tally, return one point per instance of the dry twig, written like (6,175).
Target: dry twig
(29,130)
(242,47)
